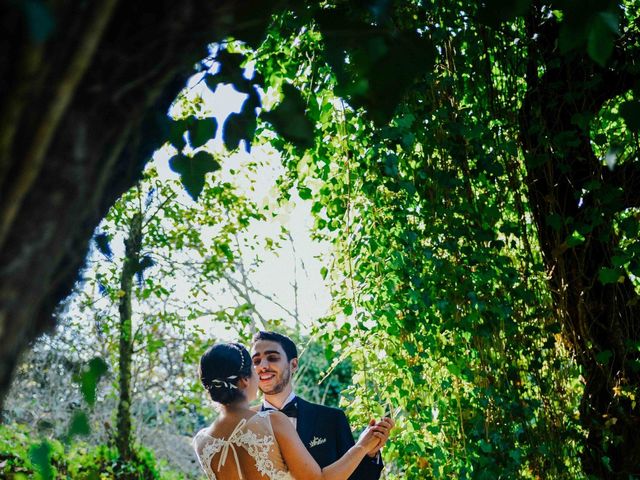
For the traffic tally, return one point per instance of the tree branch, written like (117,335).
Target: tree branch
(65,90)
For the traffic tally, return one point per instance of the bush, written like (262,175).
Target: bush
(22,456)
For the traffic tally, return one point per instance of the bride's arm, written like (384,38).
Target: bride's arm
(302,465)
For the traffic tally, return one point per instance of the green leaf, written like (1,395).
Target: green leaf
(202,130)
(154,344)
(305,193)
(289,118)
(89,379)
(604,356)
(408,58)
(554,221)
(600,40)
(177,130)
(239,126)
(619,260)
(454,370)
(630,112)
(102,242)
(610,20)
(79,425)
(192,170)
(373,66)
(485,446)
(609,275)
(40,456)
(575,239)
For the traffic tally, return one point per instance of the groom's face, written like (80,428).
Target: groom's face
(272,366)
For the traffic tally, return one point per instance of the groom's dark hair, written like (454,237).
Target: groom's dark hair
(285,342)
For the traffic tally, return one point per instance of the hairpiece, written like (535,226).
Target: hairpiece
(216,383)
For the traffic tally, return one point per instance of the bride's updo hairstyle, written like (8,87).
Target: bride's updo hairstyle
(221,366)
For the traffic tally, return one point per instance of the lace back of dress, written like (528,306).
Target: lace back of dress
(267,455)
(251,445)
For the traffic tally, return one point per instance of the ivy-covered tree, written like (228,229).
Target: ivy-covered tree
(515,151)
(538,105)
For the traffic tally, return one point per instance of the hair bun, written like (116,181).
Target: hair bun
(222,392)
(221,366)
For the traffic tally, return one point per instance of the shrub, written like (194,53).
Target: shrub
(22,456)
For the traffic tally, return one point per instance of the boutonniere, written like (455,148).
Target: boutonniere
(317,441)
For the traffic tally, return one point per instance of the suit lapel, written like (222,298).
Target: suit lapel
(306,421)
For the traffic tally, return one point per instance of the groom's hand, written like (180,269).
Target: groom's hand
(384,426)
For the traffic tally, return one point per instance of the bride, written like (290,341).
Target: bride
(248,445)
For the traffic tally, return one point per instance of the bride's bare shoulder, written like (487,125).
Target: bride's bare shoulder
(280,422)
(206,432)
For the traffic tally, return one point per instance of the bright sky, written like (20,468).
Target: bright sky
(277,274)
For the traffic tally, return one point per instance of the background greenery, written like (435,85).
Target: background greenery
(473,166)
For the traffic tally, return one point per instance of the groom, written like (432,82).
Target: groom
(324,430)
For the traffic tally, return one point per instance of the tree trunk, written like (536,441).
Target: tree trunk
(133,246)
(601,320)
(81,111)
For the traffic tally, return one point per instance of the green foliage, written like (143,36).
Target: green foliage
(320,378)
(21,454)
(192,170)
(104,462)
(601,36)
(240,126)
(630,111)
(289,118)
(201,131)
(373,65)
(40,456)
(79,424)
(90,377)
(594,28)
(440,300)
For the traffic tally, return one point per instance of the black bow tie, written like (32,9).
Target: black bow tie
(290,409)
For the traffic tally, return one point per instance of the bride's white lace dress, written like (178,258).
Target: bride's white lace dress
(253,447)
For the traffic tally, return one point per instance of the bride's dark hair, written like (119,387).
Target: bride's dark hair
(221,366)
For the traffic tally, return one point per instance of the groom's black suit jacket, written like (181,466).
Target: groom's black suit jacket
(325,432)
